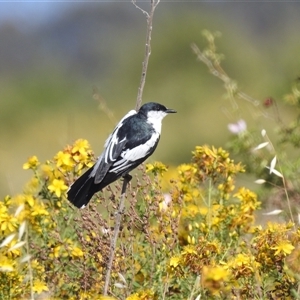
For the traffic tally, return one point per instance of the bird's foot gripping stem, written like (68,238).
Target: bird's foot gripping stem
(127,178)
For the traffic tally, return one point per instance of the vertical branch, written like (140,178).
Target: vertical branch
(127,178)
(149,17)
(113,242)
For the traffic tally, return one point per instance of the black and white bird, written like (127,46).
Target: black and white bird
(133,140)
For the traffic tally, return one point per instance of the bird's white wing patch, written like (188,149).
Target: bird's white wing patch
(113,148)
(131,155)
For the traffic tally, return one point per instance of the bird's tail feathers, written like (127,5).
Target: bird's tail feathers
(81,191)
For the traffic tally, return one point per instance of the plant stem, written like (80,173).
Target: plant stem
(149,17)
(29,263)
(113,242)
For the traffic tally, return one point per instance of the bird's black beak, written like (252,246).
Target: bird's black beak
(171,111)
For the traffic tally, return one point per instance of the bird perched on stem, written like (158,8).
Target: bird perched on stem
(133,140)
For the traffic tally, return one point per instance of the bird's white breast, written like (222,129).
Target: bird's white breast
(155,118)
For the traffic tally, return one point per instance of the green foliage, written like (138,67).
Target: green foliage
(194,237)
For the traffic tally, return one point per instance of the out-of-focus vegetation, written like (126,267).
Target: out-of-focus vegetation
(47,75)
(196,222)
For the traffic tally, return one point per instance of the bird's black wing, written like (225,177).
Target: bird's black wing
(97,177)
(112,149)
(141,141)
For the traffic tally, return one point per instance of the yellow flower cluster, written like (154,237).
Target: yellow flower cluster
(26,223)
(142,295)
(273,244)
(16,215)
(156,168)
(193,238)
(215,165)
(214,222)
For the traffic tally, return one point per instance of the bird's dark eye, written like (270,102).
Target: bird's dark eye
(157,107)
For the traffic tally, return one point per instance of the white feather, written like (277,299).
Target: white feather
(141,150)
(155,118)
(109,143)
(131,155)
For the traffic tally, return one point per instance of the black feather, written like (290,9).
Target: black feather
(80,191)
(83,189)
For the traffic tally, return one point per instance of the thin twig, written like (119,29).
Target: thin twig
(113,242)
(103,106)
(127,178)
(149,17)
(217,71)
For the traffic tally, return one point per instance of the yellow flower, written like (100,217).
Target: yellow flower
(83,159)
(57,187)
(134,296)
(142,295)
(14,248)
(32,186)
(39,286)
(3,211)
(39,210)
(64,159)
(242,259)
(243,265)
(149,167)
(6,264)
(35,264)
(189,249)
(283,247)
(174,261)
(191,210)
(8,223)
(216,273)
(30,200)
(76,252)
(46,171)
(248,199)
(187,173)
(32,163)
(55,252)
(156,168)
(213,278)
(81,146)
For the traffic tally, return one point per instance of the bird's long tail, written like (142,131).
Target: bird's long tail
(84,187)
(82,190)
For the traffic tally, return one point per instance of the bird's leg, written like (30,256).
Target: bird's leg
(127,179)
(113,242)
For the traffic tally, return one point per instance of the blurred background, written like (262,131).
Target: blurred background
(53,55)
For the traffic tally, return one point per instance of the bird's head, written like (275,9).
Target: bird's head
(155,111)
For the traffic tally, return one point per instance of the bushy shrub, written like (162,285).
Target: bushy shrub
(193,236)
